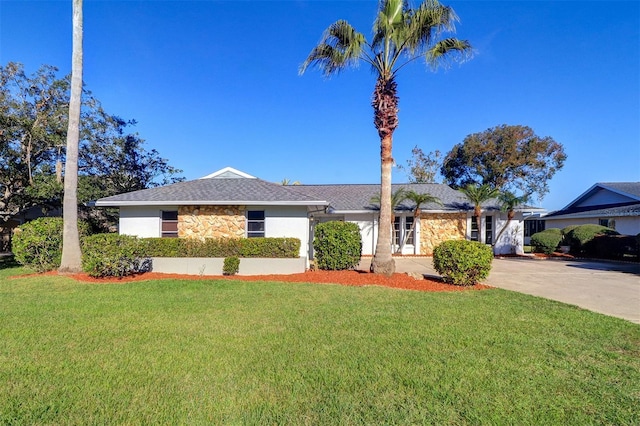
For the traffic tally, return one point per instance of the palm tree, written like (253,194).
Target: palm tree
(397,197)
(71,255)
(478,194)
(287,182)
(418,199)
(400,36)
(508,203)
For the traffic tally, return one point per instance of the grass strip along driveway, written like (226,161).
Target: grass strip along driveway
(231,352)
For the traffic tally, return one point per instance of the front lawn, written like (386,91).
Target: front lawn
(231,352)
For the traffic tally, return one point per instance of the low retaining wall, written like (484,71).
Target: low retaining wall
(213,265)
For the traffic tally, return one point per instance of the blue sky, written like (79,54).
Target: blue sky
(215,83)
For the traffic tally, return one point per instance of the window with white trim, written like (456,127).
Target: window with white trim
(169,224)
(488,230)
(255,223)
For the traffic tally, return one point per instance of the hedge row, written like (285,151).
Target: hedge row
(218,247)
(38,245)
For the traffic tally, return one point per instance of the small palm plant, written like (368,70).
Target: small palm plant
(418,199)
(478,194)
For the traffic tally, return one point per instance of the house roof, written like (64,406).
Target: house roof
(357,197)
(231,186)
(624,201)
(214,191)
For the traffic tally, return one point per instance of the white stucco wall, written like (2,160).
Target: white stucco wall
(141,221)
(280,221)
(286,221)
(512,239)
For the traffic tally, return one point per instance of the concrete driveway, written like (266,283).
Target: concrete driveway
(610,288)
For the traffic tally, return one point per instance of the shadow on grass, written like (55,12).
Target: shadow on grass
(7,260)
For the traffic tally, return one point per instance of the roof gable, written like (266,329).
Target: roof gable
(603,194)
(228,173)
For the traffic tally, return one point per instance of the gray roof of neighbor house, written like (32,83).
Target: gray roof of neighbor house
(627,205)
(214,191)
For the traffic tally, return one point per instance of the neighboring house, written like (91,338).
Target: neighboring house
(232,204)
(613,204)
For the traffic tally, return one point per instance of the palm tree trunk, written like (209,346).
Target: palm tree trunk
(71,255)
(382,262)
(385,118)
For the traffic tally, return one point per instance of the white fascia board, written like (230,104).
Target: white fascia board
(231,170)
(209,203)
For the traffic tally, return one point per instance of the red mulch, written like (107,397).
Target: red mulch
(351,278)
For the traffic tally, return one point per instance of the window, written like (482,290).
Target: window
(401,230)
(488,230)
(169,227)
(533,226)
(408,224)
(609,223)
(396,230)
(474,228)
(255,223)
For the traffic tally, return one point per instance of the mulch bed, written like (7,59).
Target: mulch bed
(350,278)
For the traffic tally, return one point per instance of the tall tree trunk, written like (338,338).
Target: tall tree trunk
(71,254)
(385,118)
(382,262)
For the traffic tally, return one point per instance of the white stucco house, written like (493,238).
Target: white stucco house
(233,204)
(614,204)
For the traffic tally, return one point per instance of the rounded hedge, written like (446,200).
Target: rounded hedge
(546,241)
(38,244)
(580,236)
(337,245)
(462,262)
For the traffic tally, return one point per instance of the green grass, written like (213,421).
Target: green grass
(231,352)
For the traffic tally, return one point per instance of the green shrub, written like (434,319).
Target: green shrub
(580,236)
(112,255)
(613,246)
(337,245)
(221,247)
(231,265)
(546,241)
(462,262)
(38,244)
(160,247)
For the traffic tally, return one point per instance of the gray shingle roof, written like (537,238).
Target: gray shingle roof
(627,209)
(357,197)
(252,191)
(218,191)
(627,188)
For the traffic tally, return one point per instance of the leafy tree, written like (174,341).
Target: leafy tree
(71,255)
(400,36)
(33,120)
(423,168)
(508,158)
(33,131)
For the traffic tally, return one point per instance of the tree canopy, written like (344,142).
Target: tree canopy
(507,158)
(421,167)
(33,129)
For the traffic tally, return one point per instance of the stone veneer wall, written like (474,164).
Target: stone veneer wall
(438,227)
(211,222)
